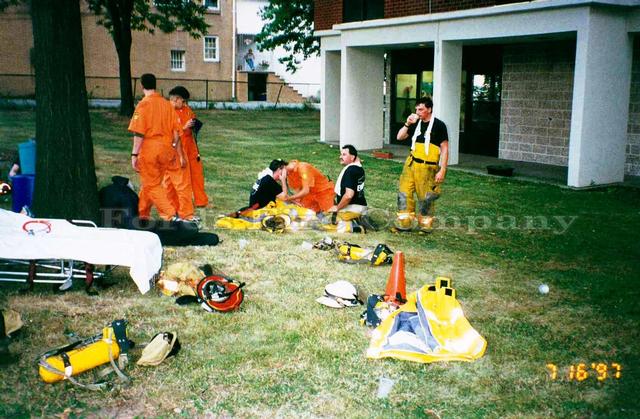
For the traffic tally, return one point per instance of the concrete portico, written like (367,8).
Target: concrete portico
(353,69)
(600,101)
(330,97)
(361,101)
(447,73)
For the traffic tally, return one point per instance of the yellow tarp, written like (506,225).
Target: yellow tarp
(430,327)
(301,219)
(251,220)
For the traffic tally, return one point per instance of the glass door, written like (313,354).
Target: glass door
(482,119)
(409,87)
(406,88)
(426,84)
(482,88)
(411,78)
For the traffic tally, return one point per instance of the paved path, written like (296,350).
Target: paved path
(534,172)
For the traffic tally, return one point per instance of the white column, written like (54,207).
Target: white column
(447,78)
(361,98)
(330,97)
(600,108)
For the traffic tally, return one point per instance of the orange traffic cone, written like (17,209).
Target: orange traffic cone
(396,291)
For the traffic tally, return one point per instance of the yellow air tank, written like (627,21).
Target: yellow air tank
(83,358)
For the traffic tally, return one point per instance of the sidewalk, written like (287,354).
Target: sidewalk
(476,164)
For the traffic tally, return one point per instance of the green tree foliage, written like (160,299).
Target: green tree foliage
(289,25)
(121,17)
(6,3)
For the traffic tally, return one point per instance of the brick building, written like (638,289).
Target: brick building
(209,66)
(168,56)
(547,81)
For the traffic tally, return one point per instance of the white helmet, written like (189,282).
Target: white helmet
(340,294)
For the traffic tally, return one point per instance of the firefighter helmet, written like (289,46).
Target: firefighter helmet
(5,188)
(276,223)
(220,293)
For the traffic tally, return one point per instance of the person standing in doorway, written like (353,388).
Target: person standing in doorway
(249,58)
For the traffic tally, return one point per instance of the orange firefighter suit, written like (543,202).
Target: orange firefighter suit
(321,193)
(194,172)
(155,121)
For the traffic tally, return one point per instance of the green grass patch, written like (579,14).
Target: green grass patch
(282,354)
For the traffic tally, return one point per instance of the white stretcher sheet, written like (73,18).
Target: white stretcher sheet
(141,251)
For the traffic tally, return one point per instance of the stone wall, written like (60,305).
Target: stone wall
(386,135)
(326,13)
(398,8)
(537,88)
(438,6)
(632,164)
(329,12)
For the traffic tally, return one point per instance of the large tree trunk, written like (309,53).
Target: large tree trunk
(120,13)
(65,184)
(126,91)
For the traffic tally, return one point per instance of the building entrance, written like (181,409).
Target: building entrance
(257,86)
(481,87)
(411,78)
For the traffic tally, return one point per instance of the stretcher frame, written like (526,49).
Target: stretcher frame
(60,271)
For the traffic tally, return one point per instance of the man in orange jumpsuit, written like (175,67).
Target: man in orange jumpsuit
(156,152)
(194,176)
(313,190)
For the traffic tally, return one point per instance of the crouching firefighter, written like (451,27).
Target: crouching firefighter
(350,202)
(425,167)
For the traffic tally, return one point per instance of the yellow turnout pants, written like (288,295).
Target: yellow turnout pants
(419,179)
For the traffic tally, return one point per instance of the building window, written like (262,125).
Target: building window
(177,60)
(211,50)
(357,10)
(211,5)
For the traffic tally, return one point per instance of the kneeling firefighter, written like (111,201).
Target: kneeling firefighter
(425,167)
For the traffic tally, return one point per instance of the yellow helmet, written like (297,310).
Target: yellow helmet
(276,223)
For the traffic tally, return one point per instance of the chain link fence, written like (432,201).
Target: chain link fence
(257,87)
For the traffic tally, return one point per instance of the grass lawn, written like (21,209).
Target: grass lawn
(282,354)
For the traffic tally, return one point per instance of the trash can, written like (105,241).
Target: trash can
(27,152)
(22,191)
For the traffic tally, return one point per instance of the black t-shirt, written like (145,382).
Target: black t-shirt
(264,191)
(353,179)
(438,132)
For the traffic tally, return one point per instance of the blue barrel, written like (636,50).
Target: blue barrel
(22,192)
(27,152)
